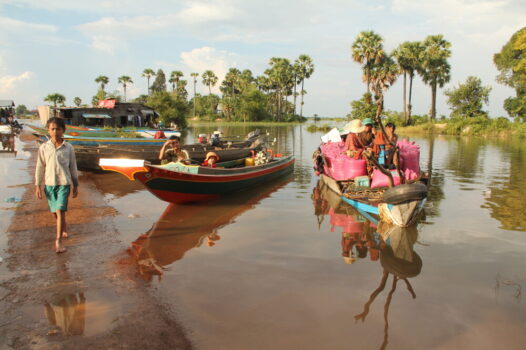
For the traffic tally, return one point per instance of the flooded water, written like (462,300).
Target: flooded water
(286,265)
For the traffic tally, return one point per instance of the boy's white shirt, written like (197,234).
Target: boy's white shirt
(56,166)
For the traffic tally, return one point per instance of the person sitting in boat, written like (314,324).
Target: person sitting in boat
(172,152)
(367,136)
(392,140)
(353,144)
(211,160)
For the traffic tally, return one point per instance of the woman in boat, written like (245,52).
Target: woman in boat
(367,136)
(353,145)
(172,152)
(392,140)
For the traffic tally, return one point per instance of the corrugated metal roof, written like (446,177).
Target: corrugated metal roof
(99,116)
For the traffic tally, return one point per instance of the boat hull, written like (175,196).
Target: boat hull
(201,183)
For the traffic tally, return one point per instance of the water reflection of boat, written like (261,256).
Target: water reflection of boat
(361,236)
(7,138)
(184,227)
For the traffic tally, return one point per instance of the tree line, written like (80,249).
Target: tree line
(276,95)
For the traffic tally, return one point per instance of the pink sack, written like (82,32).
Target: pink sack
(382,180)
(409,156)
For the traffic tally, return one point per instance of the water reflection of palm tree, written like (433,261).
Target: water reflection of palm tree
(184,227)
(397,258)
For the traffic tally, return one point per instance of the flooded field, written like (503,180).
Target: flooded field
(280,266)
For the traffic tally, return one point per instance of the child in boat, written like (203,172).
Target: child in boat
(57,171)
(353,145)
(211,160)
(172,152)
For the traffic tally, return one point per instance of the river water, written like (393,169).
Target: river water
(276,267)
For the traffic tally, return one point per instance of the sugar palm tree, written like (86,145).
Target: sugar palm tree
(103,81)
(148,73)
(77,101)
(306,68)
(209,79)
(382,77)
(125,80)
(174,79)
(435,69)
(407,56)
(368,50)
(56,99)
(194,76)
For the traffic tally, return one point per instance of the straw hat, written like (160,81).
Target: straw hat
(355,126)
(212,154)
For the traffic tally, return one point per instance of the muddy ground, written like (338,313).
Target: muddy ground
(87,298)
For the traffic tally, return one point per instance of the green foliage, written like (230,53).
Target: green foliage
(141,99)
(467,99)
(363,108)
(516,107)
(159,84)
(77,101)
(367,50)
(206,106)
(511,62)
(21,110)
(209,79)
(169,107)
(102,80)
(56,99)
(314,128)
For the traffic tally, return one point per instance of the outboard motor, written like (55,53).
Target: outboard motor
(202,138)
(215,139)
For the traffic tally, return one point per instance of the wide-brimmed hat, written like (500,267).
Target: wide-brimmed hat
(367,121)
(355,126)
(212,154)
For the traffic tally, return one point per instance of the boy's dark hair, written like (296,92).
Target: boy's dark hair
(390,125)
(58,121)
(175,137)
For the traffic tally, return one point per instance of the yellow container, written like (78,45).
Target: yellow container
(249,161)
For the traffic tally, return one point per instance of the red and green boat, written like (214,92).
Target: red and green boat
(179,183)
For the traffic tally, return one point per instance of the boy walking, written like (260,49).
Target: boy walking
(57,171)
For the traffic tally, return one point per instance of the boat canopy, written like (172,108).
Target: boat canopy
(146,111)
(96,116)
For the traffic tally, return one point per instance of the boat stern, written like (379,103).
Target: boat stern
(126,167)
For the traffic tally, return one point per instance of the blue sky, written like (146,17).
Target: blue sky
(61,46)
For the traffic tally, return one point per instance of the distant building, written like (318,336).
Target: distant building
(110,113)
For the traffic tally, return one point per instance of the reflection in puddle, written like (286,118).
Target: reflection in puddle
(184,227)
(69,314)
(362,235)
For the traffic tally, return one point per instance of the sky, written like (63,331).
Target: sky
(49,46)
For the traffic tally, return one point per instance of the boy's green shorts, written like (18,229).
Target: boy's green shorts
(57,197)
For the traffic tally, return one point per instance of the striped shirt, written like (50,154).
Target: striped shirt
(56,166)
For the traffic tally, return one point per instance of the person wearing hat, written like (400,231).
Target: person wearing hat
(367,136)
(211,159)
(353,144)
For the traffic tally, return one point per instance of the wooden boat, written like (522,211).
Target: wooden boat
(400,205)
(179,183)
(183,227)
(85,136)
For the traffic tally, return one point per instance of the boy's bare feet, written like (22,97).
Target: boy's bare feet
(59,248)
(65,235)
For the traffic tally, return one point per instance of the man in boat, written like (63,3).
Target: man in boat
(353,144)
(172,152)
(367,136)
(384,149)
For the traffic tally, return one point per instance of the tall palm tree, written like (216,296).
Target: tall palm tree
(209,79)
(368,50)
(174,79)
(125,80)
(306,68)
(383,76)
(407,56)
(435,69)
(194,75)
(103,81)
(77,101)
(148,73)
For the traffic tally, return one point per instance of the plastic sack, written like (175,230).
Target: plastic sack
(331,136)
(382,180)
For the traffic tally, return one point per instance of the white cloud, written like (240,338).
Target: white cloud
(208,58)
(13,25)
(200,12)
(8,82)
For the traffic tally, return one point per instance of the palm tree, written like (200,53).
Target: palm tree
(148,73)
(125,80)
(194,75)
(407,55)
(102,80)
(368,50)
(435,69)
(77,101)
(174,79)
(306,68)
(209,79)
(382,77)
(55,98)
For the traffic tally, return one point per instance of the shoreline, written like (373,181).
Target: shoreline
(93,289)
